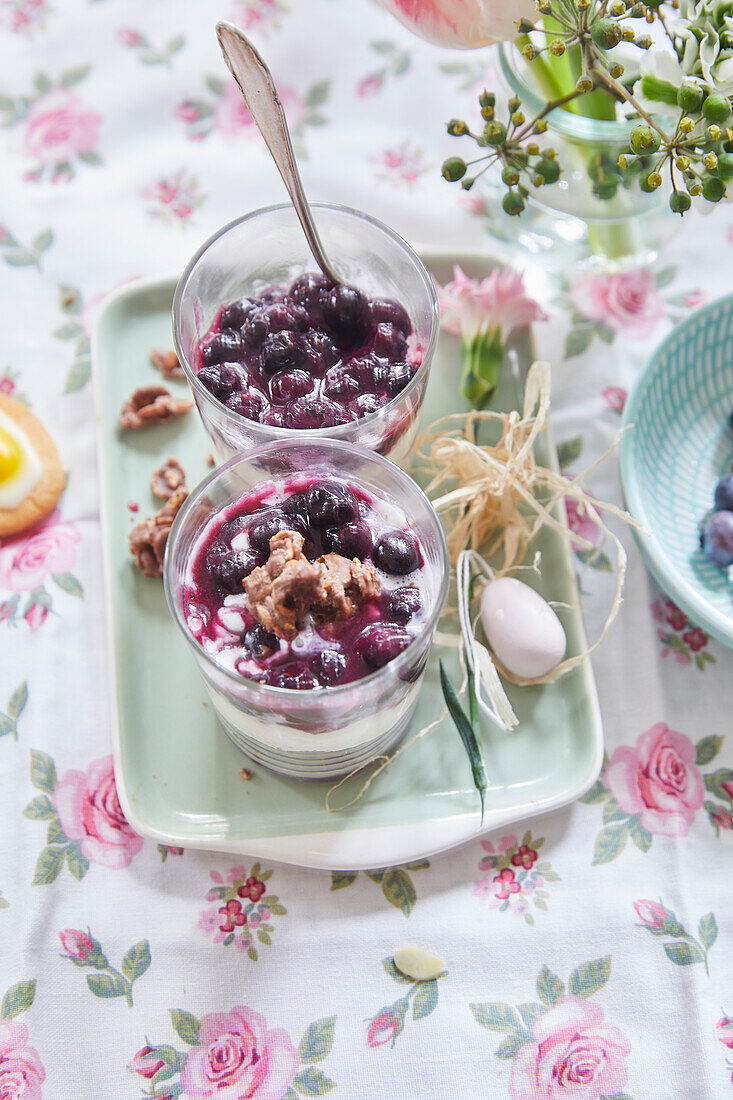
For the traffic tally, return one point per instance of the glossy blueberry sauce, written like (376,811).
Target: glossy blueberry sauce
(310,356)
(332,516)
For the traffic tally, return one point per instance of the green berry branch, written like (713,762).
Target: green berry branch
(681,131)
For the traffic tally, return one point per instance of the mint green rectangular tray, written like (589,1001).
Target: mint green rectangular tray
(178,775)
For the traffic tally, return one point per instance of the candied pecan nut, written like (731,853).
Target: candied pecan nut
(149,537)
(151,405)
(166,360)
(167,478)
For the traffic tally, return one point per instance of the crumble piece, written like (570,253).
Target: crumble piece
(151,405)
(149,537)
(167,478)
(166,360)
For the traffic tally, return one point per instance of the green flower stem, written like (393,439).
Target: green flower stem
(687,936)
(128,985)
(482,356)
(615,86)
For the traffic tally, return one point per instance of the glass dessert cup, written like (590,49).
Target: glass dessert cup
(324,731)
(267,247)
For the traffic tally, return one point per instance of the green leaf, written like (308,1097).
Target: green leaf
(317,1042)
(175,44)
(588,978)
(707,749)
(376,876)
(21,258)
(107,985)
(714,783)
(641,837)
(497,1016)
(18,700)
(569,451)
(215,84)
(4,903)
(17,999)
(399,891)
(7,725)
(610,842)
(68,330)
(90,156)
(426,1000)
(136,961)
(604,332)
(48,866)
(43,241)
(417,865)
(707,930)
(67,582)
(317,94)
(252,954)
(55,834)
(467,735)
(402,64)
(383,45)
(482,357)
(277,909)
(40,808)
(613,812)
(510,1047)
(549,987)
(76,862)
(578,339)
(540,902)
(185,1025)
(596,559)
(69,299)
(78,376)
(531,1012)
(666,276)
(73,76)
(394,973)
(291,1094)
(340,879)
(684,954)
(264,938)
(311,1081)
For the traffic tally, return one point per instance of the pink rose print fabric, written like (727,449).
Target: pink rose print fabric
(21,1071)
(28,561)
(237,1055)
(625,303)
(59,127)
(89,811)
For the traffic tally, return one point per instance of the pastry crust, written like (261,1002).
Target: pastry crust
(44,495)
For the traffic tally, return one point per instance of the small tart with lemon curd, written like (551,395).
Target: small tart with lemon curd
(31,475)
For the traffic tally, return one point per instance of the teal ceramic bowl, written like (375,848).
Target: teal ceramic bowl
(678,444)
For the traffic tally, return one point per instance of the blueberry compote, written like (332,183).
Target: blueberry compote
(331,529)
(311,356)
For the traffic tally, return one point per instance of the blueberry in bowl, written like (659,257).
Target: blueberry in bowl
(307,579)
(271,348)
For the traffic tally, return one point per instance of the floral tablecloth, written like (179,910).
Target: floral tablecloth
(588,952)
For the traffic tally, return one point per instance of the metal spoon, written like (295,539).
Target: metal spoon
(258,88)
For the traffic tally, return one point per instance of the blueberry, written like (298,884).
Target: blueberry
(365,404)
(277,417)
(228,568)
(345,311)
(235,314)
(308,289)
(404,603)
(330,504)
(717,538)
(396,377)
(281,317)
(250,404)
(351,540)
(274,293)
(258,642)
(397,552)
(340,384)
(380,643)
(724,494)
(367,370)
(321,352)
(221,380)
(288,385)
(329,666)
(385,311)
(265,526)
(389,342)
(314,412)
(255,330)
(294,674)
(221,348)
(282,351)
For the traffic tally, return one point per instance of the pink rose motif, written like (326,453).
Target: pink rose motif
(721,818)
(26,561)
(694,299)
(21,1072)
(146,1063)
(659,780)
(58,127)
(36,616)
(77,944)
(628,303)
(506,884)
(525,857)
(237,1058)
(651,914)
(724,1031)
(367,87)
(696,639)
(128,36)
(188,111)
(580,522)
(727,786)
(615,398)
(89,811)
(675,617)
(383,1029)
(252,889)
(232,915)
(7,386)
(231,115)
(573,1054)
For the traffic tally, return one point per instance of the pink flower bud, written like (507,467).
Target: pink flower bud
(77,944)
(145,1063)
